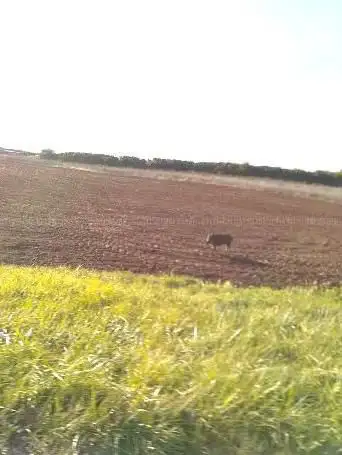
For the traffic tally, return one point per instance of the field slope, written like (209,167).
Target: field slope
(53,216)
(124,364)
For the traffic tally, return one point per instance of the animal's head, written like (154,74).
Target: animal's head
(209,237)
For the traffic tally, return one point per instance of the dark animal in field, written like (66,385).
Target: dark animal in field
(219,239)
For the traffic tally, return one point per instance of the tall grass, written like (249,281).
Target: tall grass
(105,363)
(299,189)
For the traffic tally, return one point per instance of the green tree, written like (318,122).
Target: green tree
(47,154)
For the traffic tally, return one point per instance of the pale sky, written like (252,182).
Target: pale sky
(231,80)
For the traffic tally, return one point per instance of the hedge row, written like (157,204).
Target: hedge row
(245,170)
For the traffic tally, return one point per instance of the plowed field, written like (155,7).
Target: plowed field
(113,220)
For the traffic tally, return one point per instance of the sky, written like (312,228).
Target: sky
(256,81)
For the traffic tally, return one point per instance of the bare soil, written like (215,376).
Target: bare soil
(122,221)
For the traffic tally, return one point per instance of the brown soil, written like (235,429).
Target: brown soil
(66,216)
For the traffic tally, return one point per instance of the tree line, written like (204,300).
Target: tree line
(220,168)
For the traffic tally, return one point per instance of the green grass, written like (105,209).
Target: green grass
(123,364)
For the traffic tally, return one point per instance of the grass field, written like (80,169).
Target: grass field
(113,363)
